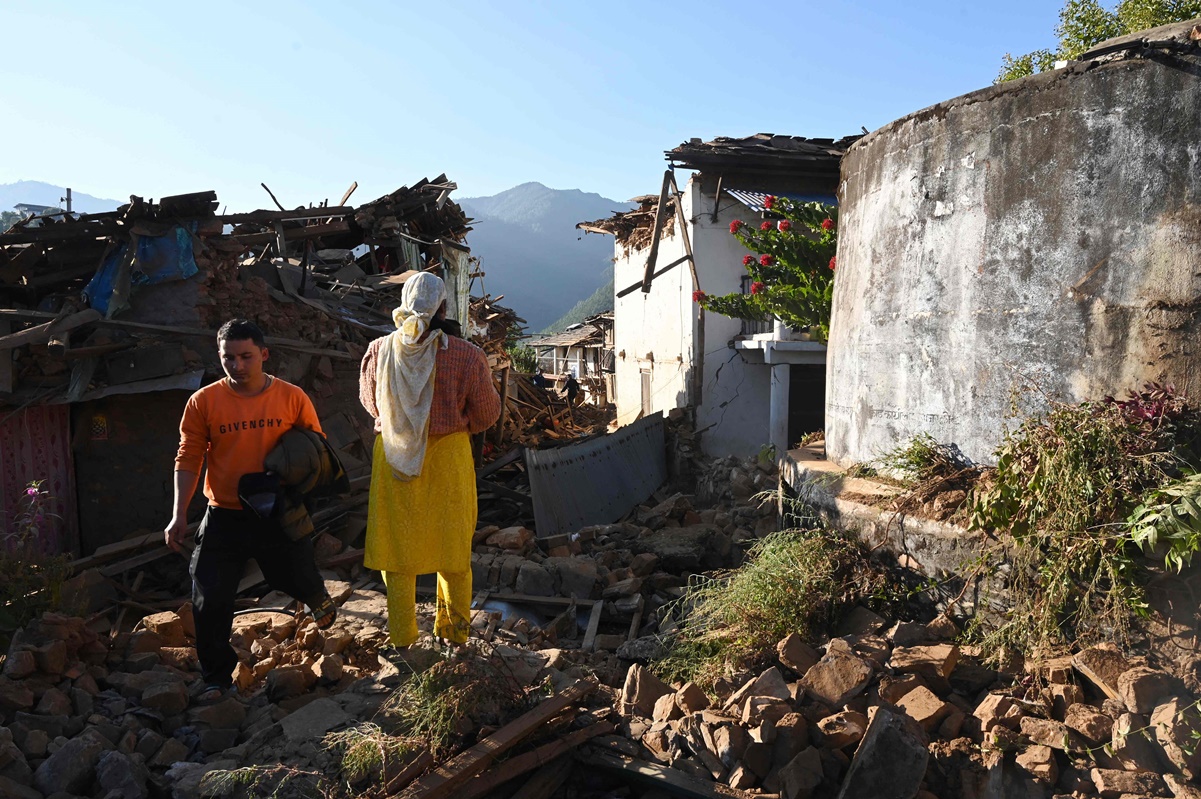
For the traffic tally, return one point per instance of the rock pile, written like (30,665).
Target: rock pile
(906,713)
(84,716)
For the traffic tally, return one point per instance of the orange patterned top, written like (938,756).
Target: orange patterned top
(465,397)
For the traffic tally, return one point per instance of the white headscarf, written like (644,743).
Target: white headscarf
(404,388)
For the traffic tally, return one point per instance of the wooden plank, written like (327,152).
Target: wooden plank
(656,233)
(500,463)
(594,620)
(668,268)
(268,217)
(408,773)
(501,491)
(636,622)
(548,780)
(446,779)
(520,764)
(557,601)
(137,561)
(666,779)
(109,551)
(271,341)
(39,334)
(349,192)
(307,232)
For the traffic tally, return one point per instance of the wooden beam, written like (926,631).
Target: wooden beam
(349,192)
(548,780)
(277,205)
(307,232)
(504,405)
(665,779)
(39,334)
(594,620)
(656,232)
(523,763)
(408,773)
(446,779)
(501,491)
(268,217)
(501,462)
(639,284)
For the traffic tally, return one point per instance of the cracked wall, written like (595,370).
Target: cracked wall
(1036,239)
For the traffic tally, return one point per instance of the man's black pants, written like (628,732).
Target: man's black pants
(225,541)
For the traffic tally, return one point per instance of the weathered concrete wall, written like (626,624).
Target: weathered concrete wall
(1043,233)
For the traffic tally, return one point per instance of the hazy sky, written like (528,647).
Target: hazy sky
(123,98)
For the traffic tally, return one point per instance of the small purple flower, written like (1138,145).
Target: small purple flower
(31,491)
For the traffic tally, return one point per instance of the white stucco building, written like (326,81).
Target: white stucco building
(750,385)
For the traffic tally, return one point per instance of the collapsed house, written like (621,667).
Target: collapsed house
(584,351)
(107,324)
(750,383)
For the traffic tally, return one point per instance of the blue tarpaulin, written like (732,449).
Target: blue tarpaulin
(158,259)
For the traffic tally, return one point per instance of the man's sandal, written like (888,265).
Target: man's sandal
(325,613)
(212,693)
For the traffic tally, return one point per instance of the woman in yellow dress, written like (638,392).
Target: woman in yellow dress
(428,391)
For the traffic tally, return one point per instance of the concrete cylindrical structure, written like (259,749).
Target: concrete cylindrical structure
(1037,239)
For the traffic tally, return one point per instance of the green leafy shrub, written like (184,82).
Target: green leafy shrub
(1065,488)
(793,275)
(525,359)
(1170,516)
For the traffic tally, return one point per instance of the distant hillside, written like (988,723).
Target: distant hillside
(599,301)
(36,192)
(531,252)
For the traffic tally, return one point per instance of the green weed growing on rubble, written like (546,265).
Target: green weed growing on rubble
(30,577)
(366,749)
(792,582)
(1064,487)
(441,704)
(272,782)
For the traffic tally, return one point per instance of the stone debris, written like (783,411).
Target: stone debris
(887,708)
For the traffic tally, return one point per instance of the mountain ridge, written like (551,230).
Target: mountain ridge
(37,192)
(531,252)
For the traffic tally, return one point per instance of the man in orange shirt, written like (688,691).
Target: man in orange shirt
(235,423)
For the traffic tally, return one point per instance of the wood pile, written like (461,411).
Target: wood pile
(537,417)
(490,327)
(632,229)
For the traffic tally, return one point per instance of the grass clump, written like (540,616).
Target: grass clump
(366,749)
(1064,487)
(442,704)
(793,582)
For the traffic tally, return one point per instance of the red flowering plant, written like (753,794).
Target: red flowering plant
(793,275)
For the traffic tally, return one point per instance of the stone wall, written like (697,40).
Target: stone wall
(1036,239)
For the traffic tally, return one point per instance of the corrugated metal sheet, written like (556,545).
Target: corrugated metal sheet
(597,481)
(754,199)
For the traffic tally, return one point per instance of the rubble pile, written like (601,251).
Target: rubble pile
(632,229)
(881,708)
(84,716)
(492,325)
(900,710)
